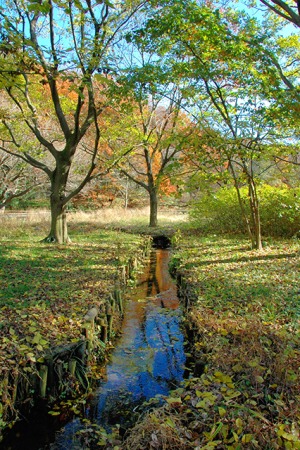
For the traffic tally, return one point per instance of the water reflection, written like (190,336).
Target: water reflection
(149,358)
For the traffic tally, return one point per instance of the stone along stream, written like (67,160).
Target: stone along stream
(148,361)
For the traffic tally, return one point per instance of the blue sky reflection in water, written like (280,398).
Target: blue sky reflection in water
(149,357)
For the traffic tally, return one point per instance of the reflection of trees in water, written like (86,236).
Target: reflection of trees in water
(156,276)
(152,283)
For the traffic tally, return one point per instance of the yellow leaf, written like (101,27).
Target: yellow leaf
(170,423)
(252,363)
(36,338)
(54,413)
(31,357)
(32,329)
(236,438)
(247,438)
(222,411)
(174,400)
(287,436)
(231,394)
(202,404)
(218,374)
(259,379)
(223,377)
(239,423)
(154,418)
(237,368)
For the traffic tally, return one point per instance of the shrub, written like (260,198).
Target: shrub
(220,212)
(280,210)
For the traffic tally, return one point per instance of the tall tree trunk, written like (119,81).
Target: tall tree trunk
(242,206)
(153,207)
(126,193)
(58,229)
(255,214)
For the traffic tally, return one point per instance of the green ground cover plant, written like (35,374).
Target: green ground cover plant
(46,291)
(244,309)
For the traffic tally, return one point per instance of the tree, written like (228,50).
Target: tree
(51,53)
(152,130)
(285,10)
(219,63)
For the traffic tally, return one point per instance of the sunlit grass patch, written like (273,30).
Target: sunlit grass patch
(228,276)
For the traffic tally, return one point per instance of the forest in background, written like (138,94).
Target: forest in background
(163,103)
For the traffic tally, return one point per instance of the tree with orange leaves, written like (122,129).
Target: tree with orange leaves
(151,129)
(50,54)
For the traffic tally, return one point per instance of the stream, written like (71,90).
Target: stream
(148,361)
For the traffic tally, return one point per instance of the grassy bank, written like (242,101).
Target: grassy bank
(46,290)
(244,312)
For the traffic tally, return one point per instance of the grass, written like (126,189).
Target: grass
(244,312)
(47,289)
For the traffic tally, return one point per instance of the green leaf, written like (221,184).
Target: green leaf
(54,413)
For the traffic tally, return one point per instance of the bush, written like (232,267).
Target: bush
(280,210)
(220,212)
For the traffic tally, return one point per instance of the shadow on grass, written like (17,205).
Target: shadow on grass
(247,259)
(46,273)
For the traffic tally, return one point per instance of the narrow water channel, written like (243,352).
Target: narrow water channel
(148,360)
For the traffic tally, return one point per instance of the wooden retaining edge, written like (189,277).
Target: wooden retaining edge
(102,315)
(71,360)
(185,291)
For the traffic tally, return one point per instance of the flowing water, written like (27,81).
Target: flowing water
(148,360)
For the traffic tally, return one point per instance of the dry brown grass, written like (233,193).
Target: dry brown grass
(125,217)
(108,217)
(160,429)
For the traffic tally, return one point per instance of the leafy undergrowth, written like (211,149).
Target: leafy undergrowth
(45,292)
(245,315)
